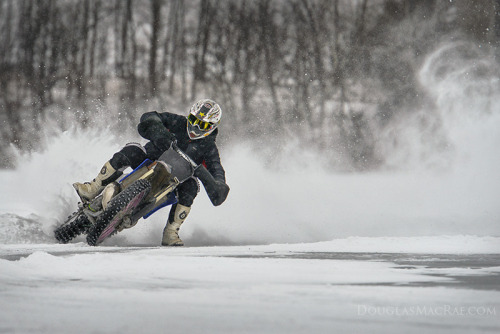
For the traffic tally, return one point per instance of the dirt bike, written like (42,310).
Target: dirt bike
(139,194)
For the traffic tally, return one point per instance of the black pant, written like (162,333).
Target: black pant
(133,154)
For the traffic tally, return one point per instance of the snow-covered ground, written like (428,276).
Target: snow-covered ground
(327,287)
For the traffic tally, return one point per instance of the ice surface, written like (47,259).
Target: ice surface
(244,289)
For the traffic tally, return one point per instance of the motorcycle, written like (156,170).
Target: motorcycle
(139,194)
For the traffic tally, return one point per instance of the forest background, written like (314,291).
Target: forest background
(331,76)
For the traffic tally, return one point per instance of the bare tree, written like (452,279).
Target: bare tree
(312,63)
(155,24)
(176,19)
(205,21)
(269,47)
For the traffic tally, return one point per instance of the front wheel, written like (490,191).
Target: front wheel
(120,206)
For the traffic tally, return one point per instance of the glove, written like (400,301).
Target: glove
(219,194)
(164,143)
(217,189)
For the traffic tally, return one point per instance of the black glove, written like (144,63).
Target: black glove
(217,190)
(219,194)
(164,143)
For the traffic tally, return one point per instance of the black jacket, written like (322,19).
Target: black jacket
(156,127)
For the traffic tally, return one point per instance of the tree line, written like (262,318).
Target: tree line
(322,71)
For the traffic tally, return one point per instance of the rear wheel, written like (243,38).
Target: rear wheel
(120,206)
(76,224)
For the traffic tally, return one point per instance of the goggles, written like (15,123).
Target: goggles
(193,120)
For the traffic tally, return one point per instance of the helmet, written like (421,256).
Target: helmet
(203,119)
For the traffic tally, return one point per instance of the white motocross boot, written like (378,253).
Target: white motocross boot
(89,190)
(171,230)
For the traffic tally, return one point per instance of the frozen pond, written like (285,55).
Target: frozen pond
(281,288)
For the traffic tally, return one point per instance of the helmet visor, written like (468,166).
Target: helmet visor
(204,126)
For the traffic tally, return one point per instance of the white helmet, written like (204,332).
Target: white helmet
(203,119)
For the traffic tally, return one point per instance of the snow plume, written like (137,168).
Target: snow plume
(443,177)
(466,88)
(40,187)
(457,124)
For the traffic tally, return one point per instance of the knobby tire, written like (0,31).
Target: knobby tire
(72,228)
(135,192)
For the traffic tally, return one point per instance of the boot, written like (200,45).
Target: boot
(89,190)
(171,230)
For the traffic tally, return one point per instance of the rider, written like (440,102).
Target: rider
(194,134)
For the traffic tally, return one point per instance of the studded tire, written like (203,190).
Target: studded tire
(76,224)
(122,204)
